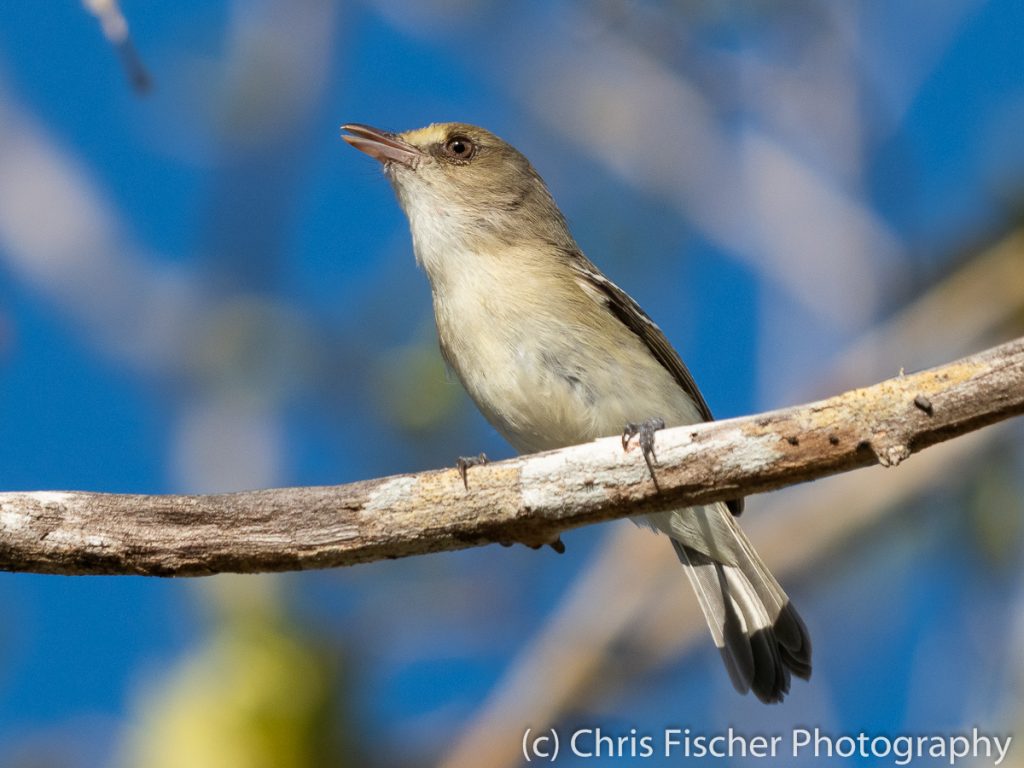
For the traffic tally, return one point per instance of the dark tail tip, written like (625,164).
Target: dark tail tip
(764,661)
(779,651)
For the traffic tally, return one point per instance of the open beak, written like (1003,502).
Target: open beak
(381,145)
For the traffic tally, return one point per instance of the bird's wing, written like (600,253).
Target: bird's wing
(629,313)
(636,320)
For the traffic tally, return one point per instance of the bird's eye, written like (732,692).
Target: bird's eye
(459,148)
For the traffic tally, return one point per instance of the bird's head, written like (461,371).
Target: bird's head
(461,183)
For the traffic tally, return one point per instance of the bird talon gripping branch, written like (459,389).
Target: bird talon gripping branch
(644,432)
(463,463)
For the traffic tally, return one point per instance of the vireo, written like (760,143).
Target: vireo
(555,354)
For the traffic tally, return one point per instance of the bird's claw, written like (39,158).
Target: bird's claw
(463,463)
(644,432)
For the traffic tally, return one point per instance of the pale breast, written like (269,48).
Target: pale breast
(552,368)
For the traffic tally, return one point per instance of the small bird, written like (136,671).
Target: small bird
(555,354)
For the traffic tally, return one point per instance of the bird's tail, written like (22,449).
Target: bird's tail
(761,637)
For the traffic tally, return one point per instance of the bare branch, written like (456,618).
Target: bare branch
(529,500)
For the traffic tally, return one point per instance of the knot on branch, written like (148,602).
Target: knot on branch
(892,453)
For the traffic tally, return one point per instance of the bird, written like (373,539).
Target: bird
(553,354)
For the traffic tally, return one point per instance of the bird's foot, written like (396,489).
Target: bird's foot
(463,463)
(644,433)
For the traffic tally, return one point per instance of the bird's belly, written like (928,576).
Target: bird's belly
(544,395)
(544,404)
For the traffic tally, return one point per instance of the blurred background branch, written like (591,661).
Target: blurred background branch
(115,29)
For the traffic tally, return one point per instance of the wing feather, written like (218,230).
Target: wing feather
(631,315)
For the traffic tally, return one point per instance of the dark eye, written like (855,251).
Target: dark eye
(459,148)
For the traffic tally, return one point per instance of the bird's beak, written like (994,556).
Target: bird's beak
(381,145)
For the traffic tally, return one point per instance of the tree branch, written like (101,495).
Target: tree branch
(529,499)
